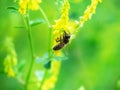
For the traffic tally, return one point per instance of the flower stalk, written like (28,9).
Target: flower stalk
(50,31)
(42,82)
(88,13)
(45,17)
(49,44)
(27,19)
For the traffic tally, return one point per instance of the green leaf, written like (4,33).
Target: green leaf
(21,65)
(12,9)
(36,22)
(47,65)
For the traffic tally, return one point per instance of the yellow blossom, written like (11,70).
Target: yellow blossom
(89,12)
(58,53)
(11,72)
(10,60)
(50,82)
(30,4)
(62,23)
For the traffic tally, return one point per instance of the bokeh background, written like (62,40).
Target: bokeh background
(93,56)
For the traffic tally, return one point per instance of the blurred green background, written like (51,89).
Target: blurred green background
(93,56)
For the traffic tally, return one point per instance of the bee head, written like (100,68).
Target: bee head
(67,36)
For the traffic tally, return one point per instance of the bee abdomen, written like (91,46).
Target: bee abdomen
(58,46)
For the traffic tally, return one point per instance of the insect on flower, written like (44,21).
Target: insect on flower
(64,39)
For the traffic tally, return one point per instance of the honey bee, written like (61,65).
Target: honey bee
(62,41)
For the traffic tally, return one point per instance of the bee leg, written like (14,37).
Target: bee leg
(65,32)
(61,39)
(64,35)
(57,39)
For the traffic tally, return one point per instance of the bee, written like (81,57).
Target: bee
(64,39)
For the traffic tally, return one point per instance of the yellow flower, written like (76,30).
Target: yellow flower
(58,53)
(34,4)
(23,6)
(89,12)
(62,23)
(11,72)
(50,82)
(30,4)
(10,60)
(9,64)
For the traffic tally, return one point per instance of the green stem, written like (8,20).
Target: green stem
(49,43)
(45,17)
(50,31)
(31,48)
(42,82)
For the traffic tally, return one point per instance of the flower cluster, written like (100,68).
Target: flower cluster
(50,82)
(30,4)
(62,24)
(10,60)
(89,12)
